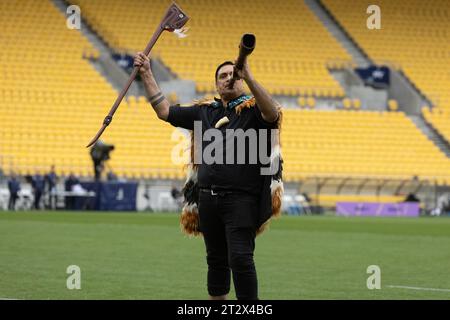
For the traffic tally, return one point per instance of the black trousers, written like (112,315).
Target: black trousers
(12,201)
(228,224)
(37,199)
(98,168)
(52,200)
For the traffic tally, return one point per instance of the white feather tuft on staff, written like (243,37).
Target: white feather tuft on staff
(181,33)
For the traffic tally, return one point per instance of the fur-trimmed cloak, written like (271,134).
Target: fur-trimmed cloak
(272,191)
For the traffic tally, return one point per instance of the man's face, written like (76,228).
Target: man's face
(224,77)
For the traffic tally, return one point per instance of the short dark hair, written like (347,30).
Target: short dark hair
(220,66)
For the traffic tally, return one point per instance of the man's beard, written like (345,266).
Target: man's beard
(231,94)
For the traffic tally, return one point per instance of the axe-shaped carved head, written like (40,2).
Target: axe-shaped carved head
(174,19)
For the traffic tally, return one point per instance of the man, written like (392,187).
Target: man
(38,185)
(14,188)
(177,196)
(68,185)
(50,180)
(111,176)
(228,199)
(100,154)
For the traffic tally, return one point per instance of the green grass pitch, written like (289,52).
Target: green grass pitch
(145,256)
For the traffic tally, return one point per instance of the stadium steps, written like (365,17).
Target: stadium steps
(404,85)
(347,77)
(431,133)
(330,23)
(106,65)
(413,87)
(109,69)
(358,49)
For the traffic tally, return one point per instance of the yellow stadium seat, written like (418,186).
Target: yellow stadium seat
(393,105)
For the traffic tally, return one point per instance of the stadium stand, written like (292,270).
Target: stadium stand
(358,143)
(52,102)
(414,37)
(53,99)
(293,48)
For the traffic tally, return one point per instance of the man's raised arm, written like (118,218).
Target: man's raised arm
(267,105)
(154,94)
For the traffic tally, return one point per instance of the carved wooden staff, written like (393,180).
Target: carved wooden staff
(174,19)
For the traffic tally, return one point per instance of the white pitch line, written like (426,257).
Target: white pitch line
(419,288)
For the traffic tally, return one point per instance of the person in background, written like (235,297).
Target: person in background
(14,188)
(100,153)
(50,180)
(111,176)
(38,186)
(175,192)
(68,184)
(177,196)
(411,197)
